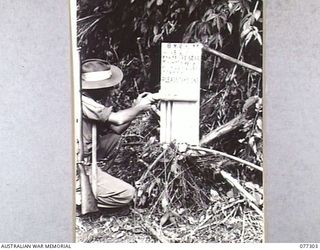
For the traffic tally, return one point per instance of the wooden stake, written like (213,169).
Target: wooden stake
(215,152)
(231,59)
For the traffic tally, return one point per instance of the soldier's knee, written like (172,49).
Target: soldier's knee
(130,193)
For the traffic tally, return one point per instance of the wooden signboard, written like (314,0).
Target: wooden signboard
(180,91)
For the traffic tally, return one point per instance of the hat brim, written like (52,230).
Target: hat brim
(114,80)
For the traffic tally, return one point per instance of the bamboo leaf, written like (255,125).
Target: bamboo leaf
(257,14)
(143,28)
(229,26)
(164,202)
(218,24)
(164,218)
(192,8)
(155,29)
(245,33)
(220,40)
(156,38)
(211,16)
(152,185)
(259,123)
(149,3)
(258,37)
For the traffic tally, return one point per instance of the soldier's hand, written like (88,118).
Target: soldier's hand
(144,98)
(156,96)
(144,101)
(140,96)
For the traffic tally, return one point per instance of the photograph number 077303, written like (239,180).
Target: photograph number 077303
(168,120)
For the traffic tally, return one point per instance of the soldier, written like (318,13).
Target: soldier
(99,80)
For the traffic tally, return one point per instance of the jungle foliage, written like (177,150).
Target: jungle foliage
(129,33)
(113,30)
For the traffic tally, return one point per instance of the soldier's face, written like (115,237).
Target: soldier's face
(114,90)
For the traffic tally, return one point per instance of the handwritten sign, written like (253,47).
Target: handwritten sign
(180,84)
(180,68)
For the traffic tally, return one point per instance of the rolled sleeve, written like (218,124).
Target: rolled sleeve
(95,111)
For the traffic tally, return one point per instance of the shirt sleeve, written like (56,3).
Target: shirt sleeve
(95,111)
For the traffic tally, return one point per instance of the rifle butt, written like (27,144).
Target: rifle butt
(88,201)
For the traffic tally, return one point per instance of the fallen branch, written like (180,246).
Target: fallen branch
(235,123)
(224,129)
(231,59)
(215,152)
(245,193)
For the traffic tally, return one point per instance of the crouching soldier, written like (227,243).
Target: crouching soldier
(99,80)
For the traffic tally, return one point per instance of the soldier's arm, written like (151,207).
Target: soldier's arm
(127,115)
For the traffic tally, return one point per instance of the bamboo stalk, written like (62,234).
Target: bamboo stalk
(231,59)
(256,208)
(216,152)
(245,193)
(142,57)
(237,185)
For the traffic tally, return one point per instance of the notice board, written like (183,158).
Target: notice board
(180,88)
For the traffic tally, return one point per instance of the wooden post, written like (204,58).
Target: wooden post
(180,92)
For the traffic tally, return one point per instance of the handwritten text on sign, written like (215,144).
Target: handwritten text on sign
(180,68)
(180,83)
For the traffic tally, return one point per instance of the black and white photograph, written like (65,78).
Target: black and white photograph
(168,107)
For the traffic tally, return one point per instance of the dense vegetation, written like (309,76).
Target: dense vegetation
(129,33)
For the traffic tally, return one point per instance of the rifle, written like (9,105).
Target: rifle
(88,201)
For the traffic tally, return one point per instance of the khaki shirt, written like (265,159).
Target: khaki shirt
(93,112)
